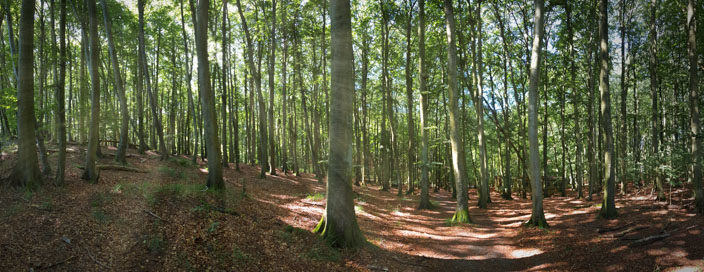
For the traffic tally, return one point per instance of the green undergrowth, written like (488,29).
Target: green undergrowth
(315,197)
(182,162)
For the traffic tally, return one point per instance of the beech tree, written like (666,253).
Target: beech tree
(339,225)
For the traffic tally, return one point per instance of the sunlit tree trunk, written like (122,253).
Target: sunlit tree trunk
(424,182)
(537,216)
(479,105)
(339,224)
(152,97)
(576,103)
(653,70)
(608,207)
(458,157)
(224,85)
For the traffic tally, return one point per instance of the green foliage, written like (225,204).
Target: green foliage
(171,172)
(323,252)
(182,162)
(239,256)
(155,243)
(100,216)
(315,197)
(213,227)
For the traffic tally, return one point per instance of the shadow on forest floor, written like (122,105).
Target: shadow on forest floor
(164,220)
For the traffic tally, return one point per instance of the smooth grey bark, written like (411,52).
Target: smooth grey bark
(653,70)
(507,184)
(339,225)
(409,104)
(576,103)
(458,156)
(479,105)
(537,215)
(207,98)
(272,54)
(624,93)
(40,127)
(119,86)
(423,76)
(608,207)
(696,172)
(224,85)
(189,91)
(26,171)
(91,173)
(60,101)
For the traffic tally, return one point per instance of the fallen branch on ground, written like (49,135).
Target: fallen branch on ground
(649,240)
(154,215)
(58,263)
(626,231)
(223,210)
(610,229)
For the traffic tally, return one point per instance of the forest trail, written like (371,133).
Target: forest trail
(163,219)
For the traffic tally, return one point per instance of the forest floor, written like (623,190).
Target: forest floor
(161,219)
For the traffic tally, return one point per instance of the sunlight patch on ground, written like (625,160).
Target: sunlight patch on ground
(525,252)
(203,170)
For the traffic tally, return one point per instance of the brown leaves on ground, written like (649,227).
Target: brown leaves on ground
(165,220)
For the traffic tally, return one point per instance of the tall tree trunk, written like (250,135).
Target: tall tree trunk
(624,93)
(60,100)
(409,104)
(576,103)
(224,85)
(272,53)
(653,70)
(537,217)
(696,174)
(506,190)
(40,128)
(189,75)
(124,115)
(207,98)
(263,161)
(26,172)
(608,207)
(422,77)
(91,172)
(458,157)
(479,104)
(152,97)
(339,224)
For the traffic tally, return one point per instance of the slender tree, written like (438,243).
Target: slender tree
(90,172)
(653,70)
(124,115)
(60,100)
(339,224)
(272,53)
(537,217)
(608,207)
(424,182)
(458,157)
(479,104)
(207,98)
